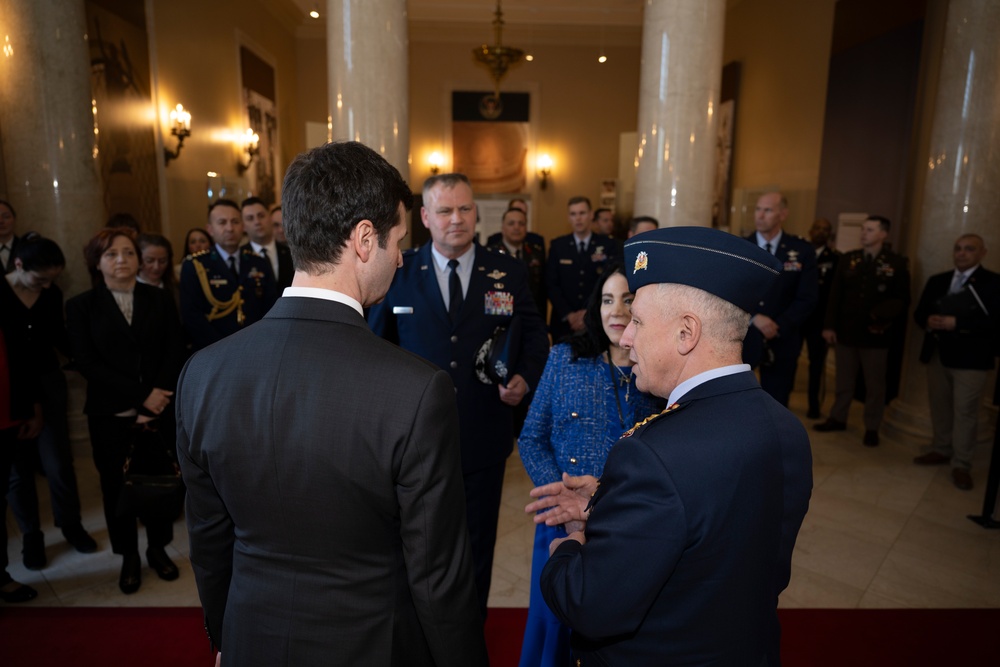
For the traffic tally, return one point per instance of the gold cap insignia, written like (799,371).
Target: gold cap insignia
(641,261)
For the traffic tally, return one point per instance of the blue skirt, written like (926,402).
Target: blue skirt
(546,640)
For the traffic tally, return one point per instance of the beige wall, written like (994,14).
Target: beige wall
(784,48)
(197,64)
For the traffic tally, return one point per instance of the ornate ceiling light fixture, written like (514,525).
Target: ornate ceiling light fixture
(497,57)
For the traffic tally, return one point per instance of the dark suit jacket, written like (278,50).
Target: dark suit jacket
(413,316)
(256,283)
(973,343)
(570,276)
(10,258)
(791,299)
(325,503)
(826,265)
(123,363)
(690,539)
(286,270)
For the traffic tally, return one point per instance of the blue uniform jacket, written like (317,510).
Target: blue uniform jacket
(570,276)
(690,538)
(256,281)
(414,317)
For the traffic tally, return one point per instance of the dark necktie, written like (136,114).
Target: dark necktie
(517,254)
(263,253)
(767,247)
(581,247)
(454,290)
(232,267)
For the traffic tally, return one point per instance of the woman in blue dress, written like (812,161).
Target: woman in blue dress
(584,402)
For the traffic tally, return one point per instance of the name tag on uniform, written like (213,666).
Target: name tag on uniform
(402,310)
(565,261)
(499,303)
(218,282)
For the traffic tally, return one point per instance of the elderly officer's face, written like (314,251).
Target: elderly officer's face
(449,213)
(651,341)
(225,227)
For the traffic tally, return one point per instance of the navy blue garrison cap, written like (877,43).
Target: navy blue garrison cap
(727,266)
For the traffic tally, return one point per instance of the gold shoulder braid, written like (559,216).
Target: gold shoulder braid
(220,309)
(597,492)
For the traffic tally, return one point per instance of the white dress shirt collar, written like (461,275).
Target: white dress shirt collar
(702,378)
(328,294)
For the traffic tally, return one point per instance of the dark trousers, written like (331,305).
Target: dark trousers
(56,456)
(483,489)
(8,442)
(111,438)
(778,377)
(817,348)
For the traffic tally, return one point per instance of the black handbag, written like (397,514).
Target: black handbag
(153,486)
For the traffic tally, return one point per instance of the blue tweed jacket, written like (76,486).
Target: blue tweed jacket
(573,419)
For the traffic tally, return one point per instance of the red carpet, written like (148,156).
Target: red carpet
(173,637)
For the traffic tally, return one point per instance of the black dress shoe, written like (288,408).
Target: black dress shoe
(79,539)
(870,439)
(813,413)
(33,550)
(830,425)
(131,576)
(20,594)
(160,562)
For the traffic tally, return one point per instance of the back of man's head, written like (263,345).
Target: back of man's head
(328,190)
(723,324)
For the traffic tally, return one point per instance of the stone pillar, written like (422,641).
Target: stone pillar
(678,93)
(961,170)
(53,179)
(367,54)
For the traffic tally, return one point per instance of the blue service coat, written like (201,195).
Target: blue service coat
(414,317)
(570,276)
(690,538)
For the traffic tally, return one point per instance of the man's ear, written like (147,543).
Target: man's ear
(423,216)
(690,333)
(364,239)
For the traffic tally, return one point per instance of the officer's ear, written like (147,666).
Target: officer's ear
(364,239)
(689,334)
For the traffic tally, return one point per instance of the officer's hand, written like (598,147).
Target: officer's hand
(575,320)
(578,536)
(514,391)
(158,400)
(767,326)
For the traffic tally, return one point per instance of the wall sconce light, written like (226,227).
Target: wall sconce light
(544,170)
(251,143)
(436,160)
(180,127)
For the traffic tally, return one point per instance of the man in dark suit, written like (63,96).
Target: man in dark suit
(575,262)
(445,304)
(225,288)
(820,235)
(324,486)
(8,239)
(867,310)
(688,539)
(959,312)
(260,228)
(774,339)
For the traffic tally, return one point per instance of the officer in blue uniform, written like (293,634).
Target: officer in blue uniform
(574,265)
(774,339)
(446,304)
(689,535)
(224,288)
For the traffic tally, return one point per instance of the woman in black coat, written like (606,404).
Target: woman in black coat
(125,338)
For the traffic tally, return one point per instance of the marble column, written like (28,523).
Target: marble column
(367,54)
(961,169)
(47,122)
(678,95)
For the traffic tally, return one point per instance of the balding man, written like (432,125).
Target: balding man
(774,339)
(689,536)
(959,312)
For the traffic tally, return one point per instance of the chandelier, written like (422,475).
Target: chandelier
(497,57)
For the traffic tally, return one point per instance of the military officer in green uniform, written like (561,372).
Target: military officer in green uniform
(224,288)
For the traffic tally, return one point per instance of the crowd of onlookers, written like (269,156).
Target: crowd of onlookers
(146,313)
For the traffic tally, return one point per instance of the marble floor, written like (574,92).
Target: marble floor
(880,532)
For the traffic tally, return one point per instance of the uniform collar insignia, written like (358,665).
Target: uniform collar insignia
(668,410)
(496,274)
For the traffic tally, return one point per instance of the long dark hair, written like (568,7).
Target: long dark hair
(592,341)
(38,253)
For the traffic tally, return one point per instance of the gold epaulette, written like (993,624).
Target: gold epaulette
(198,254)
(668,410)
(220,309)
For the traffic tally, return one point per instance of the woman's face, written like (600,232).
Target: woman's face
(119,262)
(616,307)
(38,279)
(198,242)
(154,263)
